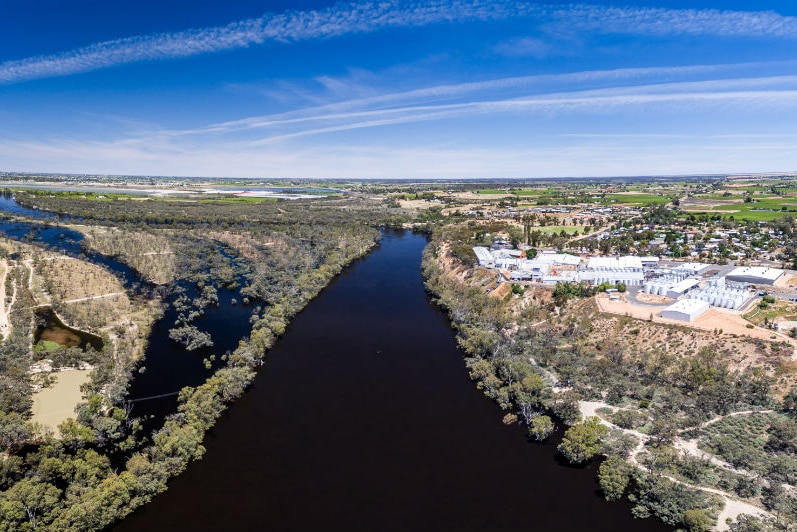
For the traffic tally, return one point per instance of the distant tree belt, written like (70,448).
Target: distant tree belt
(345,210)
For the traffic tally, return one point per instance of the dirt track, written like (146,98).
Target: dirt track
(5,325)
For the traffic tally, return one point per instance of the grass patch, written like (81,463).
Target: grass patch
(493,191)
(741,213)
(569,229)
(780,309)
(45,346)
(635,199)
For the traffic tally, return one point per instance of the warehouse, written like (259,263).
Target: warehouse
(755,275)
(649,262)
(534,269)
(672,287)
(691,268)
(610,264)
(682,287)
(484,256)
(560,259)
(629,278)
(722,296)
(685,310)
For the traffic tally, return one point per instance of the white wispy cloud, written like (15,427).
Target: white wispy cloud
(520,95)
(292,26)
(662,21)
(351,18)
(564,103)
(390,101)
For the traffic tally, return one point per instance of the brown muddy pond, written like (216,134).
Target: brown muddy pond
(50,328)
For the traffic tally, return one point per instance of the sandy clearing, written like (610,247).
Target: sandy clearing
(733,509)
(652,299)
(787,280)
(715,318)
(52,406)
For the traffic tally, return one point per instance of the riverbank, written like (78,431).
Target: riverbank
(620,369)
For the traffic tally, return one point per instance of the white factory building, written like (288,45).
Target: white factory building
(672,287)
(718,293)
(512,259)
(628,263)
(627,270)
(649,262)
(690,268)
(685,310)
(629,278)
(755,275)
(484,256)
(559,259)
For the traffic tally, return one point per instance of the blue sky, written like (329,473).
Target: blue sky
(398,89)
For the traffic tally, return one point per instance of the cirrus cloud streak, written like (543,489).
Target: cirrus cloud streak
(353,18)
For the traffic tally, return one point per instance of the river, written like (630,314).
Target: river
(364,418)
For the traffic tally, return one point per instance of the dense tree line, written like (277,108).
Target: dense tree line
(153,212)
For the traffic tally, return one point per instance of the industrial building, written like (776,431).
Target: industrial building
(649,262)
(627,270)
(561,277)
(755,275)
(484,256)
(722,296)
(685,310)
(690,268)
(521,275)
(534,270)
(628,263)
(671,286)
(559,259)
(629,278)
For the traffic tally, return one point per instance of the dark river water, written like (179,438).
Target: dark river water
(363,418)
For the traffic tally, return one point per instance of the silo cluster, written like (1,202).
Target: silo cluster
(723,297)
(662,285)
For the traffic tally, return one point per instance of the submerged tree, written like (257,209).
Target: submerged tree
(541,427)
(583,440)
